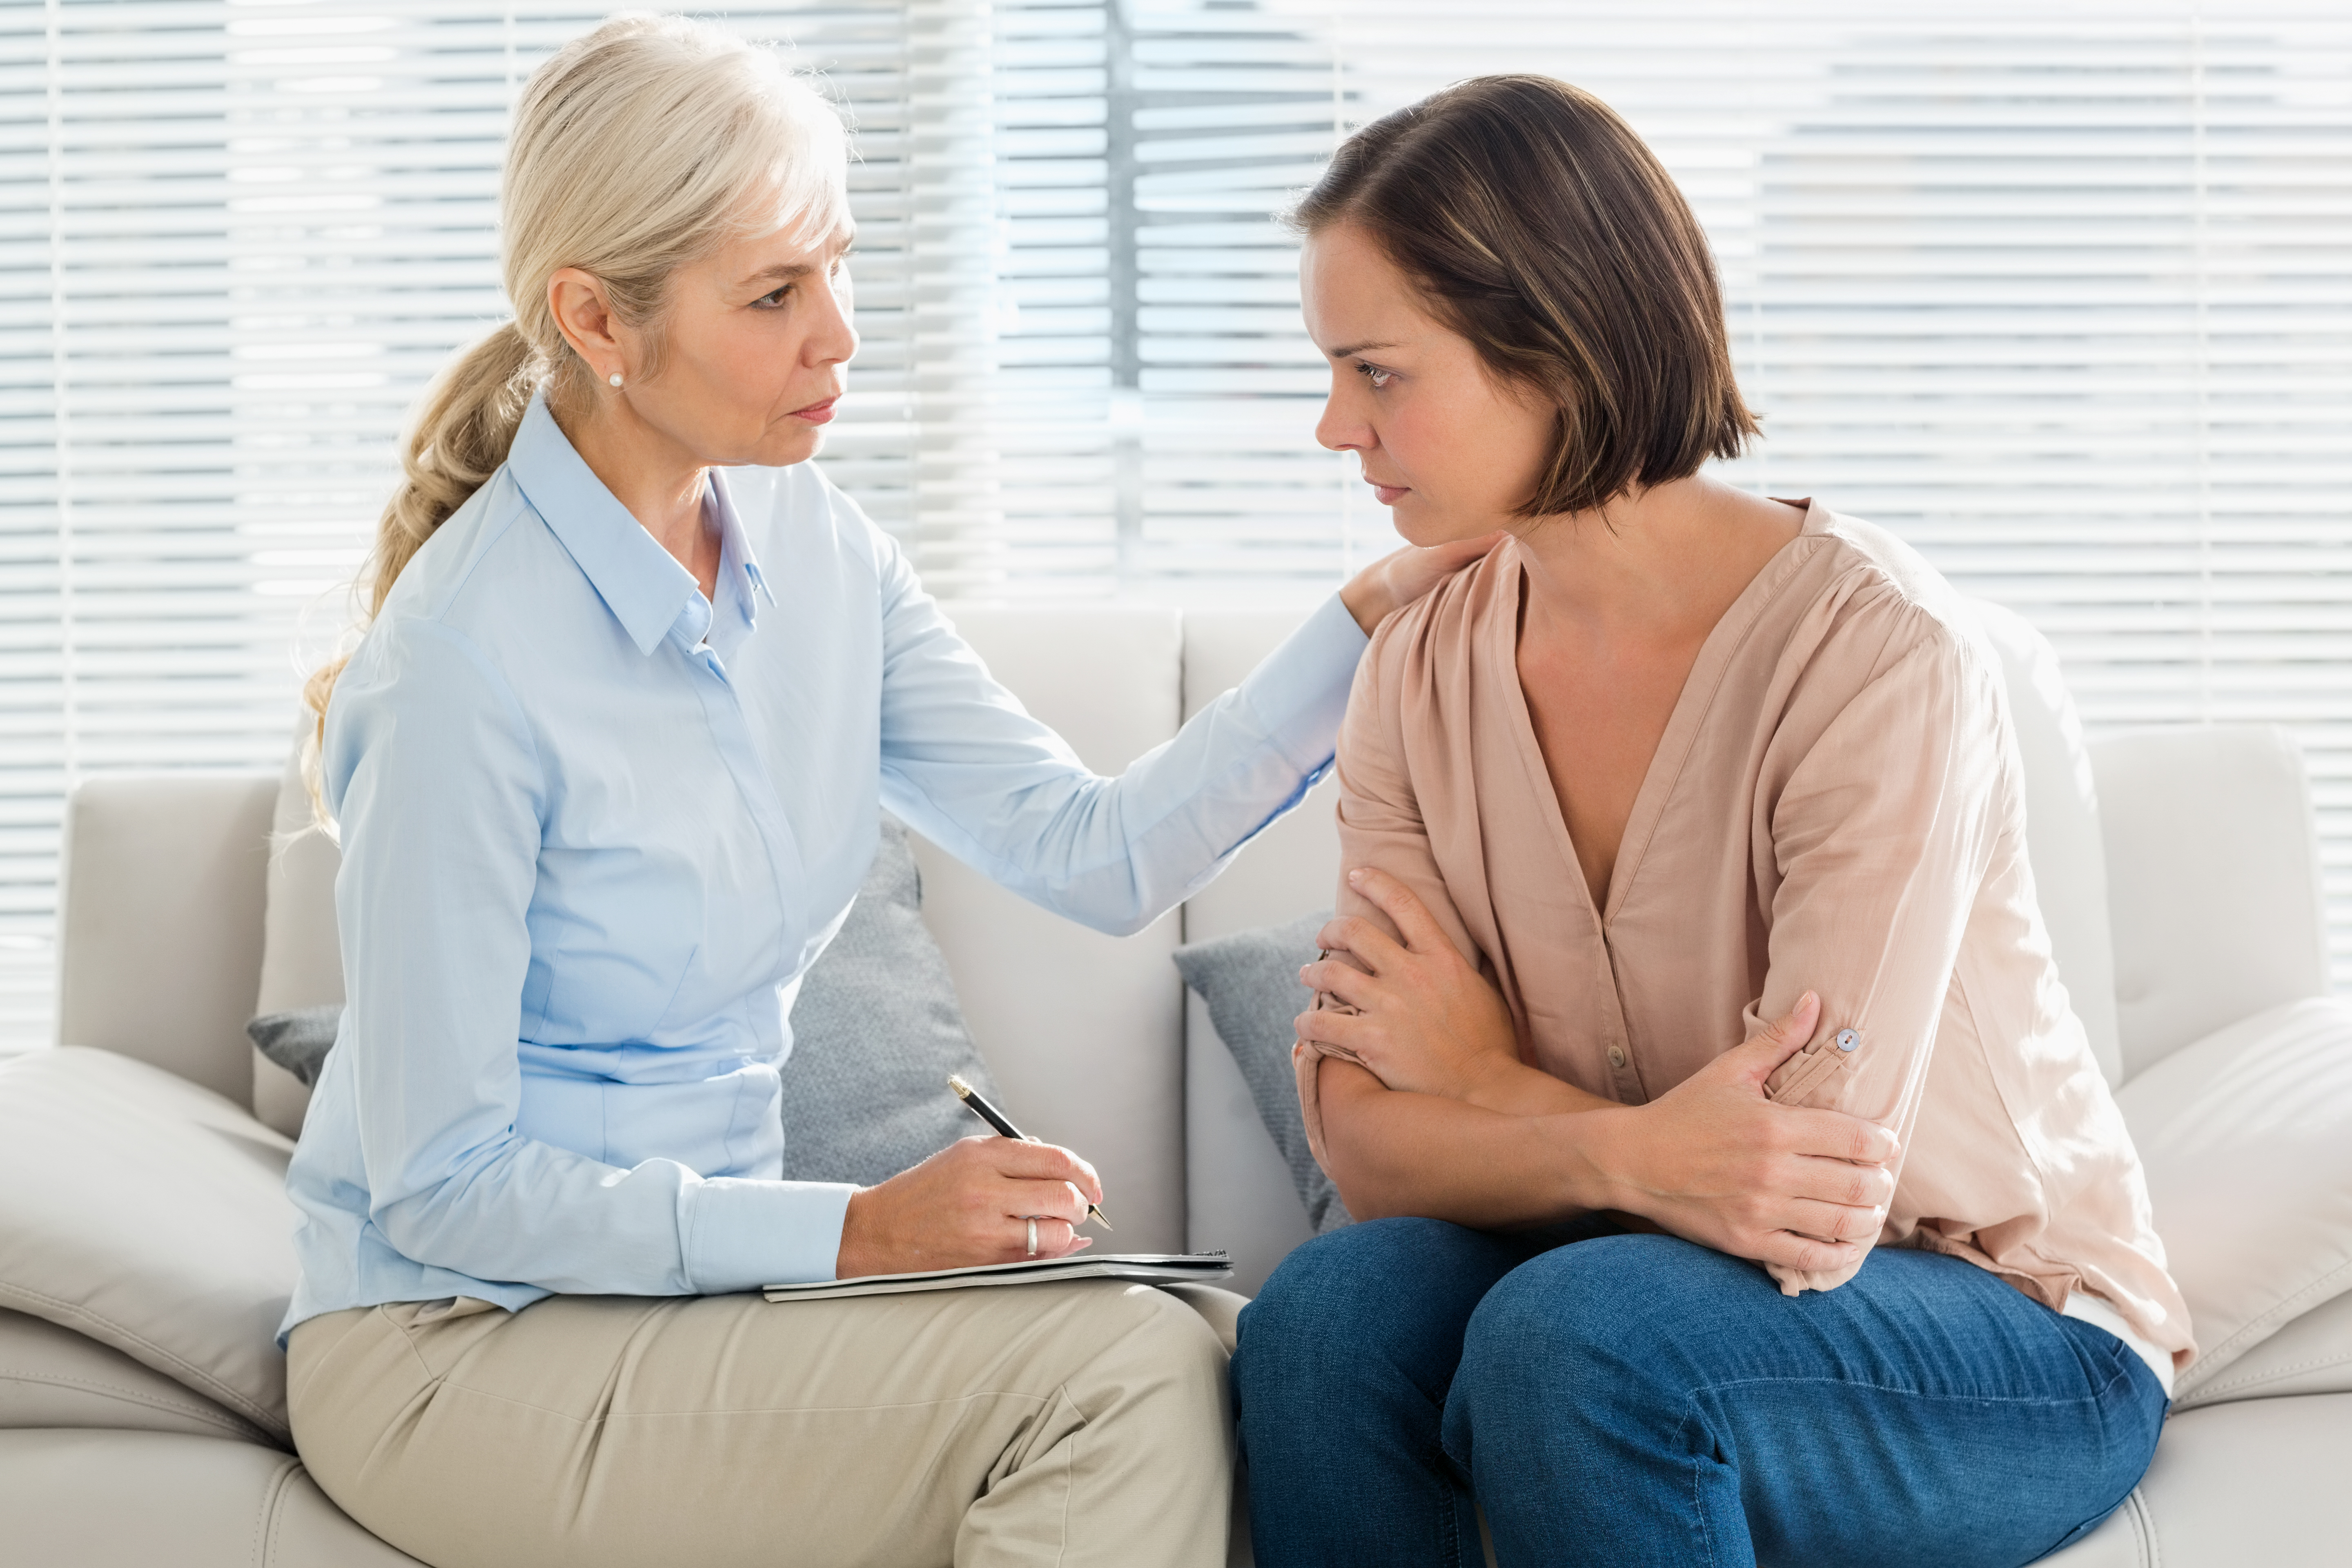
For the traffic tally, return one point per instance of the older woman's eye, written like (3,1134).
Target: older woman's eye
(772,300)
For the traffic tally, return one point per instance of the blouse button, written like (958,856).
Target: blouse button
(1616,1056)
(1847,1040)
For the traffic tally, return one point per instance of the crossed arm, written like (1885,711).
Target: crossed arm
(1428,1111)
(1886,801)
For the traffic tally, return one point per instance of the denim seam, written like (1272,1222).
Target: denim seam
(1698,1493)
(1698,1503)
(2092,1398)
(1437,1462)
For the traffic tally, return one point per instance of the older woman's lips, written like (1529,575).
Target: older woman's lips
(817,413)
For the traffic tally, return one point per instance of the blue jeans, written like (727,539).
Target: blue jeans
(1638,1400)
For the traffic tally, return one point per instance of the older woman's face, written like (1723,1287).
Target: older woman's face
(1449,450)
(757,346)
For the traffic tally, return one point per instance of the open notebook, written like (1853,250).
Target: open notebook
(1152,1268)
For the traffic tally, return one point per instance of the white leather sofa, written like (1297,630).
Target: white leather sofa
(2183,899)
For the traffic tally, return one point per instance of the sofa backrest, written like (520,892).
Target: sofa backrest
(159,924)
(1083,1032)
(2209,866)
(2212,881)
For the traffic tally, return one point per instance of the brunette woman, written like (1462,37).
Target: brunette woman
(1736,1184)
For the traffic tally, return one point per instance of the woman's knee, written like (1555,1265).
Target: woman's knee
(1605,1320)
(1180,1337)
(1363,1277)
(1340,1276)
(1363,1312)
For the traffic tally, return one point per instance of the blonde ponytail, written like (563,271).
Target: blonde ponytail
(457,438)
(637,149)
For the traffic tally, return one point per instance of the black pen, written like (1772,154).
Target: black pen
(977,1103)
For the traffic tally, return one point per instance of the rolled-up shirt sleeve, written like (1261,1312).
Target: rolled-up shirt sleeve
(1881,837)
(967,766)
(440,793)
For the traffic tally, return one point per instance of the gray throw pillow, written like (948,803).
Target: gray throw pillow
(876,1033)
(298,1041)
(1250,981)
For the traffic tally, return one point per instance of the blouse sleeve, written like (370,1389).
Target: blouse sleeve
(1379,826)
(967,767)
(1881,837)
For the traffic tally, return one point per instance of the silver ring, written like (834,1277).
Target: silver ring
(1032,1237)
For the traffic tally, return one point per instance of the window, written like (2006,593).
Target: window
(235,242)
(2061,292)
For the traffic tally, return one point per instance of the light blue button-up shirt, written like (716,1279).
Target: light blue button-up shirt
(594,829)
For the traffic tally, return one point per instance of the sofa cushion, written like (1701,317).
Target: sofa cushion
(2247,1139)
(2312,1355)
(53,1377)
(146,1499)
(1250,981)
(296,1042)
(151,1215)
(2239,1485)
(876,1033)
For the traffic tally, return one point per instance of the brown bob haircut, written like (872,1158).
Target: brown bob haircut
(1539,226)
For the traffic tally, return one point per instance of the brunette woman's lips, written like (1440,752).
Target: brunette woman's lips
(1388,494)
(818,413)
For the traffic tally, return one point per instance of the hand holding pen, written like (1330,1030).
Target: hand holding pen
(977,1201)
(977,1103)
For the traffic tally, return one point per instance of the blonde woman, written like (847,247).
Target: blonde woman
(607,766)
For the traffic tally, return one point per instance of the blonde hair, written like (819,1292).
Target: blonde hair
(639,148)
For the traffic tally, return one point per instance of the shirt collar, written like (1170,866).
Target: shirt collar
(640,583)
(741,585)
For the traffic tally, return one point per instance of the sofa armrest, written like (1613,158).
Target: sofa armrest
(2212,881)
(160,922)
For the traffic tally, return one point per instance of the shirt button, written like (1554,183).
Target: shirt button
(1616,1056)
(1847,1040)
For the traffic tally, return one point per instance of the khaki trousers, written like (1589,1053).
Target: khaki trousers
(1077,1424)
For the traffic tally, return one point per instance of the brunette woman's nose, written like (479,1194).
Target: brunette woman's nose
(1340,430)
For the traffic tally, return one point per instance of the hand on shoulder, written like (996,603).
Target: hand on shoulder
(1400,577)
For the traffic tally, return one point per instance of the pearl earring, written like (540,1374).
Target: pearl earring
(614,378)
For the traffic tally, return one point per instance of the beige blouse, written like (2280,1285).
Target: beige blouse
(1836,804)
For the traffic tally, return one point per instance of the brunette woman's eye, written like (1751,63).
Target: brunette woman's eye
(1378,377)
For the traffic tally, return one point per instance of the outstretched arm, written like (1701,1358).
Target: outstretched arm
(965,765)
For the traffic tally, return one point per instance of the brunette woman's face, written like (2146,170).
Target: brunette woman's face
(1447,448)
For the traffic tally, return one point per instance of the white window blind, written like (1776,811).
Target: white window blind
(236,241)
(2059,291)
